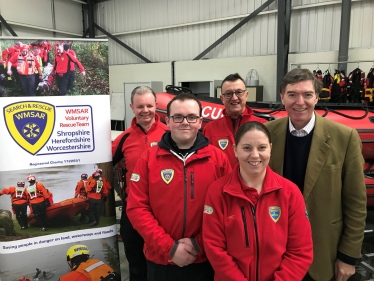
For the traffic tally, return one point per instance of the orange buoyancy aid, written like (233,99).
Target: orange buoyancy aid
(35,193)
(19,194)
(26,64)
(95,269)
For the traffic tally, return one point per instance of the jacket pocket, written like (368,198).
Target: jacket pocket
(245,227)
(192,186)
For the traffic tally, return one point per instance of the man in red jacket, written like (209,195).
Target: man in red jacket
(7,54)
(27,64)
(221,132)
(167,191)
(96,190)
(62,67)
(38,198)
(19,202)
(145,131)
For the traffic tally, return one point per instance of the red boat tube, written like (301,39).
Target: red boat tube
(359,117)
(64,210)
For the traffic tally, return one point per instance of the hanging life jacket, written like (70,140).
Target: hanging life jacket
(318,74)
(369,91)
(357,82)
(339,86)
(327,80)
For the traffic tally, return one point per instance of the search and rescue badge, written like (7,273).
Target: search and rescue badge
(30,124)
(223,143)
(167,175)
(275,213)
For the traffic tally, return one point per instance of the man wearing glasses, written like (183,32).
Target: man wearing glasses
(167,193)
(221,132)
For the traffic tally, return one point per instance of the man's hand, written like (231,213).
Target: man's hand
(183,256)
(343,270)
(84,73)
(188,242)
(9,72)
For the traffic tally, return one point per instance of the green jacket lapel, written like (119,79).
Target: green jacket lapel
(318,153)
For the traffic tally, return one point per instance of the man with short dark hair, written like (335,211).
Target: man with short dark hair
(145,131)
(221,132)
(323,158)
(167,193)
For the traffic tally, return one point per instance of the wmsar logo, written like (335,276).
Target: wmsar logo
(30,123)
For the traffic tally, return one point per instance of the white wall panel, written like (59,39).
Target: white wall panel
(119,74)
(173,30)
(68,16)
(34,18)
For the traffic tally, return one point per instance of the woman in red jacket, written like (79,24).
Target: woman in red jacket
(255,224)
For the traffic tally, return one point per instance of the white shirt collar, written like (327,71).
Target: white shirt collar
(304,131)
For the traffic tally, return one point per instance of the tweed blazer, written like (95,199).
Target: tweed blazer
(334,190)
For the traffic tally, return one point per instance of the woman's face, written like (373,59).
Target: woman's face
(253,152)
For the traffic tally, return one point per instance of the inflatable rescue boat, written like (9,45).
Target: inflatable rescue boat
(64,210)
(356,116)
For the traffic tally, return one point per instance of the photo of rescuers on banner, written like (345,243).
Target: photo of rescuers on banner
(59,219)
(33,67)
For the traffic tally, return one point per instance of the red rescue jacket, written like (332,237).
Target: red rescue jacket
(80,189)
(9,53)
(36,193)
(62,63)
(221,132)
(96,188)
(251,236)
(131,144)
(167,193)
(17,194)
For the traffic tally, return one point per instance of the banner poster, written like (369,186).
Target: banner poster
(56,175)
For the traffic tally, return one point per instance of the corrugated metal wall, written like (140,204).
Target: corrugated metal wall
(39,18)
(168,30)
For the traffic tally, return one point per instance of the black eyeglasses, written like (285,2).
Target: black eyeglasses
(238,93)
(180,118)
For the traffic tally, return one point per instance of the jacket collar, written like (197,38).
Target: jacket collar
(234,184)
(153,126)
(247,112)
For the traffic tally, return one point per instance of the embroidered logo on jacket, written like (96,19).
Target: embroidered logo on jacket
(223,143)
(167,175)
(153,143)
(275,213)
(208,210)
(135,177)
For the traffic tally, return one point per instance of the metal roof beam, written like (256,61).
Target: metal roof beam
(283,41)
(121,43)
(7,26)
(345,25)
(235,28)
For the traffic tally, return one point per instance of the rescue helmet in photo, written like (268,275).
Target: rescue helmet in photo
(100,171)
(96,175)
(76,253)
(21,183)
(24,49)
(31,178)
(84,176)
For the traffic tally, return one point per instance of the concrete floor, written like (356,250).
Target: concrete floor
(123,263)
